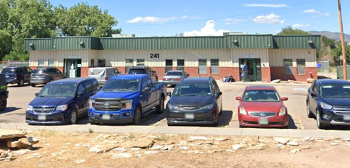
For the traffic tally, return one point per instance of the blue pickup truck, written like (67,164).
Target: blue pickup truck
(126,99)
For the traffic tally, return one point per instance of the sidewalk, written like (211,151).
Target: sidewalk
(184,130)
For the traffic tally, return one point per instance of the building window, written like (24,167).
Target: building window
(214,66)
(288,66)
(301,66)
(101,63)
(168,65)
(41,62)
(140,61)
(180,64)
(51,63)
(202,68)
(92,63)
(128,64)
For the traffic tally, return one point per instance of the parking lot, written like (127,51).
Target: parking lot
(19,98)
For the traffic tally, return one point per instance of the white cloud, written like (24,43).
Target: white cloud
(300,25)
(189,17)
(207,30)
(150,19)
(269,19)
(326,14)
(267,5)
(310,11)
(229,21)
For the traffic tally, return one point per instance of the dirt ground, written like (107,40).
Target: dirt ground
(88,149)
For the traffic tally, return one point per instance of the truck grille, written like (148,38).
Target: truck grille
(43,109)
(341,110)
(114,104)
(262,114)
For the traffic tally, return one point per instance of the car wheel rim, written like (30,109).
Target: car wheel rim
(318,120)
(137,116)
(307,108)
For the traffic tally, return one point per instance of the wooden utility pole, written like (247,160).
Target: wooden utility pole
(342,41)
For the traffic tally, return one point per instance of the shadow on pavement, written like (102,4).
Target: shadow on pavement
(225,118)
(338,127)
(291,124)
(9,109)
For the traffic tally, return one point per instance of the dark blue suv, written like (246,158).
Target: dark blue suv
(328,101)
(62,101)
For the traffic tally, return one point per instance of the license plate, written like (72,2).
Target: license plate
(42,117)
(106,117)
(263,121)
(346,117)
(189,116)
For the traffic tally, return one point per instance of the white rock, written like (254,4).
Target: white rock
(293,143)
(198,138)
(280,146)
(80,161)
(135,149)
(334,143)
(236,147)
(295,150)
(197,152)
(95,149)
(119,149)
(67,144)
(122,155)
(184,147)
(156,147)
(86,145)
(47,144)
(281,140)
(307,139)
(22,152)
(55,154)
(151,152)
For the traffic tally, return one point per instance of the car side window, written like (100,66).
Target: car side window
(216,87)
(314,89)
(81,89)
(149,82)
(144,83)
(95,83)
(88,86)
(29,70)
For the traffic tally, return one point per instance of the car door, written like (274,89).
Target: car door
(145,96)
(217,94)
(27,71)
(153,99)
(81,99)
(314,99)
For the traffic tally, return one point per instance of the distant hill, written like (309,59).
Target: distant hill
(331,35)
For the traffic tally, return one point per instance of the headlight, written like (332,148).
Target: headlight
(209,106)
(91,103)
(29,108)
(127,104)
(173,107)
(326,106)
(62,107)
(242,111)
(283,111)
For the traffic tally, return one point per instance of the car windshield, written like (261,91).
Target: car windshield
(5,70)
(261,96)
(335,90)
(121,85)
(202,89)
(97,71)
(58,90)
(174,74)
(137,71)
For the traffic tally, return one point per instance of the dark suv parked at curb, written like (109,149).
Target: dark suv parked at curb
(3,93)
(45,75)
(18,75)
(142,69)
(62,101)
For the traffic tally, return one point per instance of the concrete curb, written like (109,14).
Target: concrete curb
(184,130)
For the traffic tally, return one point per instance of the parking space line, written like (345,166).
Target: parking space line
(155,124)
(301,123)
(279,89)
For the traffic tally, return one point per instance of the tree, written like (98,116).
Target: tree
(85,20)
(337,51)
(290,31)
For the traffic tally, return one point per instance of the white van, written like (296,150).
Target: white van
(102,74)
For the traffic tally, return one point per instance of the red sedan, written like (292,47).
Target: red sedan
(261,106)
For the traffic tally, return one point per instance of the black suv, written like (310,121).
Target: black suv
(142,69)
(45,75)
(3,93)
(19,75)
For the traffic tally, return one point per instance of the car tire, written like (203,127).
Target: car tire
(320,125)
(170,124)
(241,126)
(33,85)
(160,107)
(137,116)
(220,110)
(21,82)
(308,112)
(3,102)
(73,117)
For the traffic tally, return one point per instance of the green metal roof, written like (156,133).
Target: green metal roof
(168,43)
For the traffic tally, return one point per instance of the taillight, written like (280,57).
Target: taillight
(106,78)
(164,79)
(177,79)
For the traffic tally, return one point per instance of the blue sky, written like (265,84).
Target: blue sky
(146,18)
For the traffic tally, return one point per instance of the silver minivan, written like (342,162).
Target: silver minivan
(102,74)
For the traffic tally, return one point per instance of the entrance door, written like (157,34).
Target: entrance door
(72,68)
(253,69)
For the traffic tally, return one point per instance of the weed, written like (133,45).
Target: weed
(91,131)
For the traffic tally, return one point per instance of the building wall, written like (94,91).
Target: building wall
(276,56)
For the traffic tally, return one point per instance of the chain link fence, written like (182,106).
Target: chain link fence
(323,66)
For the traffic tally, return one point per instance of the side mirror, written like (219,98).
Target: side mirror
(168,94)
(146,90)
(220,93)
(284,98)
(238,98)
(313,94)
(187,75)
(36,94)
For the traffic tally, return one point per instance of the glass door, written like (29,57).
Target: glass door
(252,69)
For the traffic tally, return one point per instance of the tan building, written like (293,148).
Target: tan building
(267,57)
